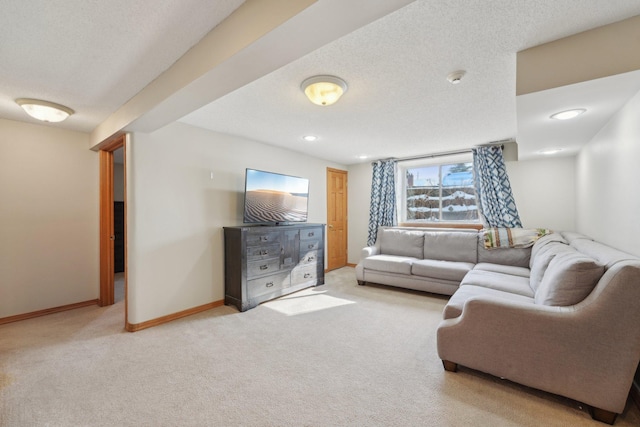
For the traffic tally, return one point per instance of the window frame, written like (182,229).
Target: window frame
(401,192)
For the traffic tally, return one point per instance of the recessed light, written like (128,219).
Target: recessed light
(362,156)
(310,138)
(549,151)
(568,114)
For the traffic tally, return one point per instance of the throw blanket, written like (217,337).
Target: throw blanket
(495,238)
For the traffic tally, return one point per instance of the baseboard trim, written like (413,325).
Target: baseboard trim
(635,393)
(351,265)
(33,314)
(134,327)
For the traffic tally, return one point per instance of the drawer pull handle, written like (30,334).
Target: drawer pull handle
(311,246)
(264,252)
(264,238)
(264,267)
(307,275)
(270,284)
(310,234)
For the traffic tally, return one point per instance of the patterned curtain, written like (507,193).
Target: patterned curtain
(496,204)
(383,198)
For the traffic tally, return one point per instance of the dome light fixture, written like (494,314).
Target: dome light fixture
(324,90)
(568,114)
(310,138)
(44,110)
(456,77)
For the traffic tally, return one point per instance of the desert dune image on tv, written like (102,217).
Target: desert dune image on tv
(271,197)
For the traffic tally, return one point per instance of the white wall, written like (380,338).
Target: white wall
(184,184)
(49,216)
(359,201)
(544,191)
(607,175)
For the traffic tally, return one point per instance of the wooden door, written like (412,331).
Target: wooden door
(336,218)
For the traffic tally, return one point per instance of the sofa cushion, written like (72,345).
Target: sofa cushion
(389,263)
(499,281)
(401,242)
(507,256)
(553,238)
(538,267)
(505,269)
(456,302)
(570,277)
(448,270)
(542,259)
(602,253)
(572,236)
(451,246)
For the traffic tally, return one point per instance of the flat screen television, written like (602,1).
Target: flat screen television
(274,198)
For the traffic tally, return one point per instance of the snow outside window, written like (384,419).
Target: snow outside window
(439,193)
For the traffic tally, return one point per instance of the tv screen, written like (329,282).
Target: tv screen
(275,198)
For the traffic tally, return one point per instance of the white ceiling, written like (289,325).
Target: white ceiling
(94,56)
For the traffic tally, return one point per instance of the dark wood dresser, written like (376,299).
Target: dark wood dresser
(265,262)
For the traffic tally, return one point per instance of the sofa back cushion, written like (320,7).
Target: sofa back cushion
(451,246)
(401,242)
(569,278)
(553,238)
(505,256)
(543,256)
(602,253)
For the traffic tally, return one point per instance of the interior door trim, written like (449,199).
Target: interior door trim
(106,222)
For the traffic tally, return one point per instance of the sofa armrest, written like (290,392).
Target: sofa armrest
(586,352)
(368,251)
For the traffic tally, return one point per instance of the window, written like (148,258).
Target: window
(439,193)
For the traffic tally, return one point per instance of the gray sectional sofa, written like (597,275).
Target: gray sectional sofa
(562,316)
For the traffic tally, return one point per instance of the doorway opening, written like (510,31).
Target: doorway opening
(113,247)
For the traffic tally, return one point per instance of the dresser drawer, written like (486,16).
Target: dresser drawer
(310,245)
(262,267)
(255,238)
(307,273)
(262,252)
(311,233)
(266,285)
(310,257)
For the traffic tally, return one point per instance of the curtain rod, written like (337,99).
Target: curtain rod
(446,153)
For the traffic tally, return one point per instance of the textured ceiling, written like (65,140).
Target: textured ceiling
(96,55)
(93,56)
(399,102)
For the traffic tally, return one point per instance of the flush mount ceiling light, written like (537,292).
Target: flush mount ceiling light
(568,114)
(310,138)
(44,110)
(324,90)
(456,77)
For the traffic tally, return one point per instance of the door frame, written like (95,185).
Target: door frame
(106,222)
(346,214)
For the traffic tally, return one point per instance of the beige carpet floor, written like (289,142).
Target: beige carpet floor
(336,355)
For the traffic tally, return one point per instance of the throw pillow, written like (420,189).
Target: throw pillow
(569,279)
